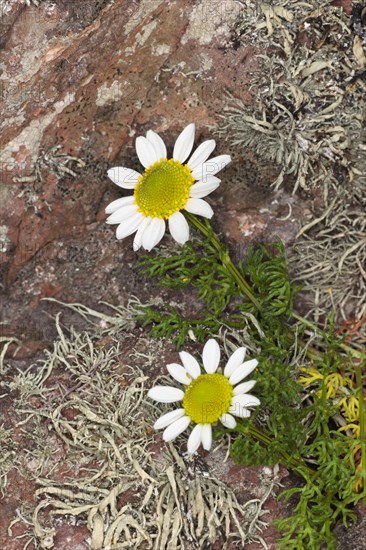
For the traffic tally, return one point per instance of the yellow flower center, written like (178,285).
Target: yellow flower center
(207,398)
(163,188)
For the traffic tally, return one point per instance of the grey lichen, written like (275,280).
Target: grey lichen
(132,493)
(309,120)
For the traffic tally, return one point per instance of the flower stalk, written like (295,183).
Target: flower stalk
(361,401)
(208,232)
(224,257)
(295,463)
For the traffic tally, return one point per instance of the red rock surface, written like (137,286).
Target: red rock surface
(88,78)
(345,4)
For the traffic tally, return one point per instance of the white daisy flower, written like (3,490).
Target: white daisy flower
(206,398)
(166,187)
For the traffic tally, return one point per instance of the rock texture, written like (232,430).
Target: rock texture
(79,82)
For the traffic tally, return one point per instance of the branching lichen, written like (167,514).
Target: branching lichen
(130,495)
(309,119)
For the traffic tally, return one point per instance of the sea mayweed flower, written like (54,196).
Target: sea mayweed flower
(208,397)
(166,187)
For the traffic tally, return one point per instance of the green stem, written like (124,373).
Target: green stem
(224,257)
(361,402)
(245,287)
(296,464)
(231,324)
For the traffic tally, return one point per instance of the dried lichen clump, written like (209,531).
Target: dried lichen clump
(131,493)
(7,4)
(309,119)
(335,255)
(7,456)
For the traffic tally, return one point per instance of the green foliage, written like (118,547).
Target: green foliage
(267,271)
(297,427)
(300,437)
(249,452)
(325,497)
(194,264)
(199,265)
(168,323)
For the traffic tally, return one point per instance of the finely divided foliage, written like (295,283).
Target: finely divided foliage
(306,420)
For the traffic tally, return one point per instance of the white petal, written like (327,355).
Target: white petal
(137,242)
(122,214)
(228,421)
(190,363)
(179,228)
(153,234)
(206,436)
(204,188)
(145,151)
(123,177)
(175,429)
(168,418)
(211,167)
(194,439)
(119,203)
(240,412)
(235,360)
(202,153)
(157,143)
(129,226)
(240,402)
(183,145)
(199,207)
(165,394)
(179,373)
(211,356)
(242,371)
(245,387)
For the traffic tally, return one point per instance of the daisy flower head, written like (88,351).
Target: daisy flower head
(207,397)
(165,187)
